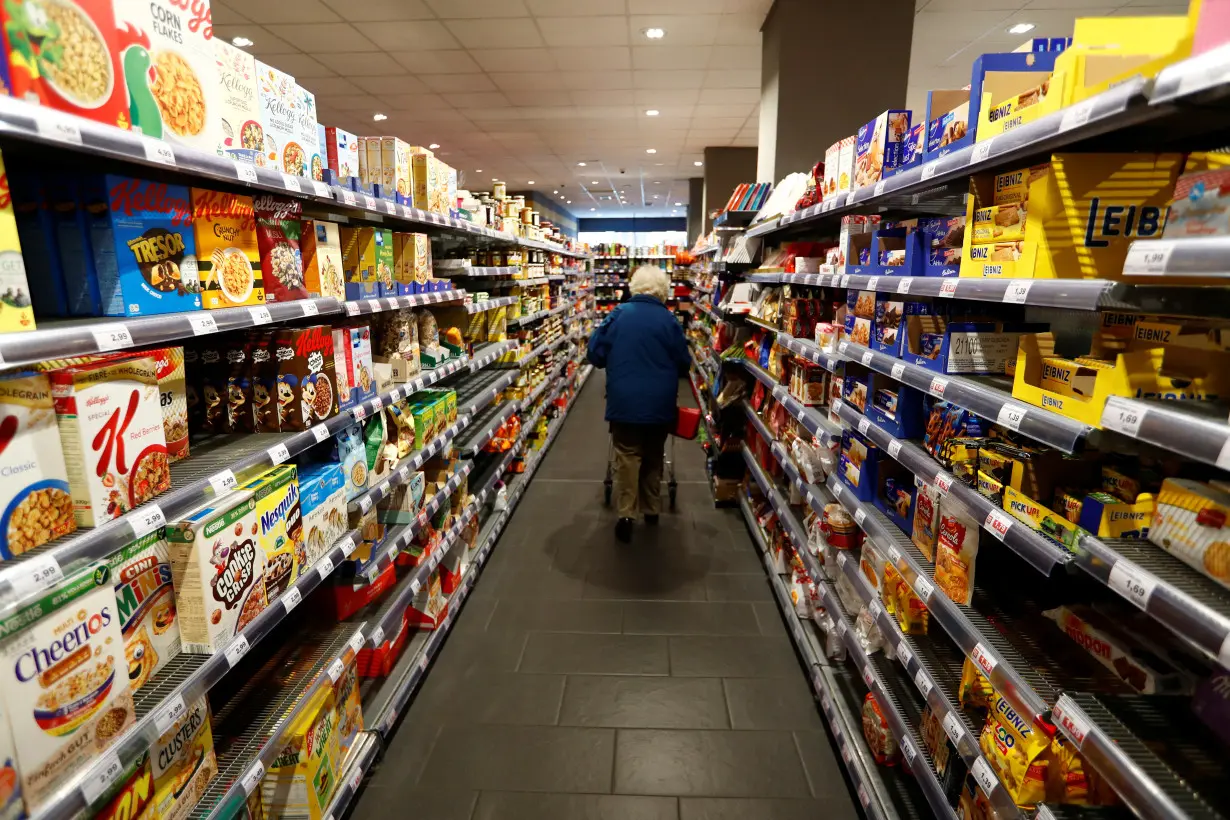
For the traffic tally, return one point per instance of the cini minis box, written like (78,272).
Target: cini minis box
(227,250)
(241,135)
(277,95)
(145,597)
(280,527)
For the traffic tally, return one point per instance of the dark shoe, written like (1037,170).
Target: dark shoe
(623,530)
(651,519)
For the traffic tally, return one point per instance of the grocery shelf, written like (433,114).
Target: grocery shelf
(761,323)
(1191,429)
(527,283)
(397,475)
(483,271)
(784,515)
(813,420)
(480,390)
(484,426)
(491,304)
(486,354)
(706,309)
(1199,79)
(534,317)
(759,373)
(763,228)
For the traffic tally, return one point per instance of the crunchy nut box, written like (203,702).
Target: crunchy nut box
(141,572)
(64,681)
(227,250)
(184,763)
(111,430)
(35,497)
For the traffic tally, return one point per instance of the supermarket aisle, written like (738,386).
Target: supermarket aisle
(587,679)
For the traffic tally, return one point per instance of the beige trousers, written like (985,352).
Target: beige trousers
(638,468)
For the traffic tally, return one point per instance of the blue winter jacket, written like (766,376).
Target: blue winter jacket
(643,350)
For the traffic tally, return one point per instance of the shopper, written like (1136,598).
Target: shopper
(642,348)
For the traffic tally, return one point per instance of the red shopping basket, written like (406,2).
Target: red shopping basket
(687,422)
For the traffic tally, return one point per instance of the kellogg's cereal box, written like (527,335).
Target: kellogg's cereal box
(173,399)
(36,504)
(278,96)
(16,309)
(134,799)
(167,56)
(342,148)
(219,572)
(111,430)
(64,681)
(279,227)
(227,249)
(309,137)
(241,135)
(144,248)
(321,244)
(306,386)
(184,762)
(63,54)
(280,532)
(145,599)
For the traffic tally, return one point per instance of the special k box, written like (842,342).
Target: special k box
(241,135)
(64,681)
(145,598)
(227,251)
(277,93)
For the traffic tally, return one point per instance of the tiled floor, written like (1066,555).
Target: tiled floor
(588,680)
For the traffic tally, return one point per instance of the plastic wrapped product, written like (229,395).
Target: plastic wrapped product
(868,632)
(975,690)
(911,612)
(955,551)
(880,740)
(1018,753)
(926,518)
(871,564)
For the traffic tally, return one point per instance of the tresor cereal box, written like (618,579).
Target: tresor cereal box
(170,68)
(241,135)
(64,681)
(184,762)
(35,498)
(219,572)
(278,97)
(279,227)
(227,250)
(145,597)
(280,527)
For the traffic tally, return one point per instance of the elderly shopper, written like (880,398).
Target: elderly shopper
(643,350)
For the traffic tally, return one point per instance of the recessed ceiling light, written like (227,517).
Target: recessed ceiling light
(478,170)
(434,146)
(657,182)
(651,150)
(380,117)
(655,196)
(580,164)
(654,33)
(242,42)
(531,182)
(679,203)
(595,182)
(653,112)
(1021,28)
(593,209)
(570,202)
(561,196)
(698,163)
(555,192)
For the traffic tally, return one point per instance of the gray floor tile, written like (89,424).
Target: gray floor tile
(660,583)
(689,618)
(524,758)
(546,615)
(709,764)
(524,806)
(825,772)
(407,753)
(744,587)
(537,584)
(595,654)
(644,702)
(480,651)
(736,808)
(769,617)
(379,802)
(495,697)
(772,703)
(733,657)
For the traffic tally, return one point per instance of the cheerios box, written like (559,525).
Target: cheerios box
(277,94)
(280,527)
(241,135)
(184,762)
(228,254)
(64,681)
(218,568)
(36,504)
(145,597)
(167,56)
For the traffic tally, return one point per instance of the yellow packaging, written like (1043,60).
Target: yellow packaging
(1190,523)
(990,487)
(421,166)
(395,165)
(359,254)
(497,325)
(1012,187)
(226,250)
(912,615)
(999,223)
(1067,377)
(321,244)
(302,778)
(16,311)
(1018,753)
(1040,518)
(349,708)
(184,763)
(1105,51)
(280,527)
(975,690)
(412,258)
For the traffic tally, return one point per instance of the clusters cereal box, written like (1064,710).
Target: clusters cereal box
(309,138)
(167,57)
(279,527)
(16,308)
(35,499)
(277,94)
(64,681)
(227,249)
(111,431)
(279,228)
(184,763)
(241,135)
(145,601)
(219,572)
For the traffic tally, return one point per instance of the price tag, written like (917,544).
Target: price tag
(923,588)
(395,395)
(845,281)
(1044,813)
(929,170)
(365,504)
(403,472)
(1132,582)
(310,308)
(377,636)
(841,559)
(38,573)
(1069,717)
(348,197)
(278,454)
(245,171)
(101,777)
(845,754)
(146,519)
(335,670)
(1123,418)
(390,208)
(111,337)
(983,774)
(357,641)
(158,151)
(862,796)
(373,305)
(1011,415)
(407,212)
(290,599)
(414,586)
(252,778)
(907,749)
(325,566)
(860,515)
(59,128)
(879,189)
(904,655)
(867,358)
(359,411)
(943,482)
(868,676)
(223,482)
(938,385)
(903,286)
(260,315)
(864,425)
(291,183)
(1017,293)
(981,151)
(836,406)
(923,683)
(894,556)
(875,608)
(948,288)
(320,432)
(952,727)
(235,650)
(983,659)
(321,189)
(894,448)
(837,492)
(843,347)
(348,546)
(202,323)
(873,282)
(1075,116)
(373,574)
(369,202)
(170,712)
(1148,257)
(356,780)
(352,308)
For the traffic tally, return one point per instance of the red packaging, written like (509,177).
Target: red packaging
(347,599)
(379,662)
(279,226)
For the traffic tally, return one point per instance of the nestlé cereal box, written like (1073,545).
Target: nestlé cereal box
(145,598)
(134,800)
(184,762)
(64,681)
(279,228)
(342,148)
(277,94)
(280,527)
(35,498)
(322,500)
(321,246)
(241,135)
(309,137)
(302,778)
(306,387)
(227,250)
(16,308)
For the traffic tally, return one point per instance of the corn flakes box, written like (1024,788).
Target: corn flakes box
(228,253)
(277,95)
(145,600)
(309,136)
(64,681)
(342,150)
(16,308)
(240,133)
(170,69)
(322,501)
(321,245)
(64,55)
(302,778)
(280,530)
(218,570)
(184,762)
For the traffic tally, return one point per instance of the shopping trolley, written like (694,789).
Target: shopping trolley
(668,471)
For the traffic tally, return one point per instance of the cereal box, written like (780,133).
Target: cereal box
(16,309)
(10,796)
(360,370)
(301,779)
(321,244)
(341,371)
(184,763)
(64,681)
(350,453)
(173,399)
(322,500)
(167,56)
(219,572)
(277,94)
(239,398)
(280,532)
(373,167)
(41,259)
(279,228)
(264,378)
(111,430)
(411,258)
(384,262)
(63,55)
(421,162)
(349,707)
(134,800)
(35,497)
(309,137)
(306,386)
(241,135)
(343,153)
(144,248)
(141,572)
(227,250)
(359,261)
(395,165)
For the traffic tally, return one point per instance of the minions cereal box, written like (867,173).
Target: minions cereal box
(184,763)
(280,527)
(146,601)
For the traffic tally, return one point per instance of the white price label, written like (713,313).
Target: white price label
(903,286)
(291,599)
(355,780)
(407,212)
(260,315)
(868,676)
(879,189)
(310,308)
(373,574)
(111,337)
(377,636)
(836,406)
(1011,415)
(321,189)
(873,283)
(377,404)
(236,649)
(325,566)
(352,308)
(904,655)
(837,492)
(57,128)
(894,448)
(223,482)
(335,670)
(841,559)
(373,305)
(202,323)
(863,426)
(291,183)
(907,749)
(38,573)
(170,712)
(252,778)
(1017,293)
(320,432)
(146,519)
(1132,582)
(943,482)
(952,727)
(1069,717)
(423,663)
(158,151)
(1148,257)
(923,588)
(395,395)
(348,198)
(359,411)
(348,546)
(843,347)
(867,358)
(998,522)
(391,303)
(1075,116)
(948,288)
(894,556)
(845,753)
(101,777)
(860,515)
(365,504)
(929,170)
(875,608)
(898,371)
(981,151)
(983,659)
(1044,813)
(862,796)
(369,202)
(845,281)
(414,586)
(923,683)
(278,454)
(357,641)
(403,472)
(984,776)
(390,208)
(245,171)
(938,385)
(1123,418)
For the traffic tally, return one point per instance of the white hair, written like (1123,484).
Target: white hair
(650,281)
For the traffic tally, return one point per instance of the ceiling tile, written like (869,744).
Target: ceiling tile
(520,81)
(695,30)
(668,79)
(368,64)
(225,15)
(383,10)
(730,110)
(597,81)
(539,99)
(477,9)
(736,57)
(666,98)
(279,11)
(437,62)
(732,79)
(717,96)
(330,85)
(739,30)
(418,102)
(321,38)
(574,8)
(264,40)
(596,31)
(446,83)
(421,35)
(495,33)
(613,97)
(388,84)
(656,7)
(680,57)
(594,57)
(515,59)
(482,99)
(756,8)
(441,115)
(718,123)
(350,102)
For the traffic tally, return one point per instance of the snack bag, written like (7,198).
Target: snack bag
(875,729)
(1019,753)
(955,551)
(911,612)
(975,690)
(926,518)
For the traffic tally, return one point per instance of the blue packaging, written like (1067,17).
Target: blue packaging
(35,230)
